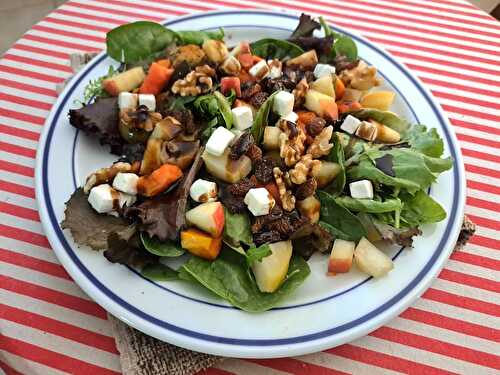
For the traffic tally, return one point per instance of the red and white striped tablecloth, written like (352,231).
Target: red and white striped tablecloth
(49,326)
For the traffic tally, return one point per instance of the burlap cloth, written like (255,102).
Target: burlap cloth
(141,354)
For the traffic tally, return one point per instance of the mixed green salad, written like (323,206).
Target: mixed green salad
(244,161)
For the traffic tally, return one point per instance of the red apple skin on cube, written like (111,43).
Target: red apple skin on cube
(341,257)
(208,217)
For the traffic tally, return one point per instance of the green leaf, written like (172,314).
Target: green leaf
(426,142)
(388,118)
(340,221)
(369,205)
(237,228)
(275,49)
(180,102)
(136,41)
(225,109)
(261,118)
(422,209)
(336,155)
(255,254)
(326,28)
(198,37)
(229,277)
(159,272)
(162,249)
(94,88)
(344,45)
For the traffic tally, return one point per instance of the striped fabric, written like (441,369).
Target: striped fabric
(454,328)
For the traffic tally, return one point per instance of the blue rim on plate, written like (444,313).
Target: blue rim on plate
(54,224)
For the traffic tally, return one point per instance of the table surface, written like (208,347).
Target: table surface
(455,50)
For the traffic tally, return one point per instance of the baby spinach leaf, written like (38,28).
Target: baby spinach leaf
(422,209)
(425,141)
(237,228)
(198,37)
(229,277)
(388,118)
(344,45)
(261,118)
(336,155)
(180,102)
(255,254)
(340,221)
(275,49)
(225,109)
(161,248)
(326,28)
(159,272)
(136,41)
(369,205)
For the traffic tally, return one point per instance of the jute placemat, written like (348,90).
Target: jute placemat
(141,354)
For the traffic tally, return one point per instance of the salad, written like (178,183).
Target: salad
(243,161)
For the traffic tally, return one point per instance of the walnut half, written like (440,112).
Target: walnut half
(286,196)
(196,82)
(304,168)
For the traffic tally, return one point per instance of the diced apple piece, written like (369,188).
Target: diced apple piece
(272,138)
(207,216)
(326,173)
(309,208)
(271,271)
(324,85)
(371,260)
(226,169)
(341,257)
(307,60)
(379,100)
(126,81)
(351,95)
(385,134)
(321,104)
(200,243)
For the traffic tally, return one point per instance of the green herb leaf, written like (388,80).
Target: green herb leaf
(229,277)
(369,205)
(255,254)
(136,41)
(336,155)
(225,109)
(426,142)
(261,118)
(198,37)
(159,272)
(94,88)
(338,219)
(180,102)
(162,249)
(269,48)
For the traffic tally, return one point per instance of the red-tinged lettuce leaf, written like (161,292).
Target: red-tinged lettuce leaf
(87,227)
(306,26)
(100,119)
(402,236)
(164,215)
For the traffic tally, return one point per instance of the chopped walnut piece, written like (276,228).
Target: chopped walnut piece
(321,145)
(304,168)
(291,142)
(299,92)
(286,196)
(361,77)
(105,175)
(196,82)
(140,118)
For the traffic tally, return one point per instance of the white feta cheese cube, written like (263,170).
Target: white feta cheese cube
(219,140)
(362,189)
(259,201)
(275,68)
(292,117)
(103,198)
(126,183)
(242,117)
(127,100)
(148,100)
(322,70)
(259,70)
(126,199)
(350,124)
(203,191)
(283,103)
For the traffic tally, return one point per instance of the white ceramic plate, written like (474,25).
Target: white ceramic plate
(325,311)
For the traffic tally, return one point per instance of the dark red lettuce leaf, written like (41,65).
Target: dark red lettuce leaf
(164,215)
(125,247)
(402,236)
(306,26)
